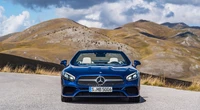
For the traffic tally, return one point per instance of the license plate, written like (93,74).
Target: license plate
(100,89)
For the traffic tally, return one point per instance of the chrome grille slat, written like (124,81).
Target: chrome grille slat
(114,79)
(109,80)
(86,80)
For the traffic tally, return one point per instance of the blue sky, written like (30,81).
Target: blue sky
(17,15)
(36,15)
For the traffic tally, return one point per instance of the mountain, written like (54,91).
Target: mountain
(2,38)
(175,25)
(179,25)
(189,35)
(162,50)
(188,39)
(57,39)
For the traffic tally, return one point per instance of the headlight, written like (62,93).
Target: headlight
(132,76)
(68,76)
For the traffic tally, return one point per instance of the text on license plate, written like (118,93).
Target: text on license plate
(100,89)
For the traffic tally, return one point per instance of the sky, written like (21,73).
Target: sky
(17,15)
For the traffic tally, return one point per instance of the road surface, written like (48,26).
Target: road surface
(40,92)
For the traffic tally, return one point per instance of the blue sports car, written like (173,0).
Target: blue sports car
(100,73)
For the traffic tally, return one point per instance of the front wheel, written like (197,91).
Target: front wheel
(134,99)
(66,99)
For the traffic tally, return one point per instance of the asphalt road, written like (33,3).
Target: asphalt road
(39,92)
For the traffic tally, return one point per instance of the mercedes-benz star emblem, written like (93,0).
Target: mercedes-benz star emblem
(100,80)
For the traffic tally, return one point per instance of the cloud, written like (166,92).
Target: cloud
(170,14)
(76,4)
(1,11)
(115,14)
(109,14)
(13,23)
(177,2)
(184,13)
(84,4)
(173,13)
(90,23)
(71,13)
(106,15)
(136,9)
(93,16)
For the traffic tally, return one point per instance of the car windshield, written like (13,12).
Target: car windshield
(100,59)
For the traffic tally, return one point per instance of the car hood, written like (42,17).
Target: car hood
(96,70)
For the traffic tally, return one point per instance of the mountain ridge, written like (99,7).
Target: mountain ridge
(179,25)
(160,48)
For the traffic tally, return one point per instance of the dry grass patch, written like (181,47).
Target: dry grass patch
(41,70)
(23,69)
(194,87)
(6,68)
(153,81)
(161,82)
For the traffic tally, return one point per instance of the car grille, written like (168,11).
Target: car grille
(109,80)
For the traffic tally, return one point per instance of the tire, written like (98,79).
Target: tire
(134,99)
(66,99)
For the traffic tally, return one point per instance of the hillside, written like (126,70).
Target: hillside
(2,38)
(162,50)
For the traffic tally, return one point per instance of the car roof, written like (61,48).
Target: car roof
(100,50)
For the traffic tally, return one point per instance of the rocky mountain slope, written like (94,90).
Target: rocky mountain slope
(163,50)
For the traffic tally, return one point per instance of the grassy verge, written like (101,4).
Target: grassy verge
(145,81)
(23,69)
(195,86)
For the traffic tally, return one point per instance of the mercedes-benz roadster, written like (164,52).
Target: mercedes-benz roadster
(100,73)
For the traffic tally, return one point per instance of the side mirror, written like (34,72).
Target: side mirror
(136,63)
(64,63)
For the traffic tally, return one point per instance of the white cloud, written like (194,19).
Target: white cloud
(114,14)
(1,11)
(105,13)
(179,2)
(89,23)
(13,23)
(94,16)
(70,12)
(186,13)
(181,13)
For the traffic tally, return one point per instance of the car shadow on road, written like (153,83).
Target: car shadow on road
(105,101)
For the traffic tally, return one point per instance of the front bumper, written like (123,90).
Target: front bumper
(128,89)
